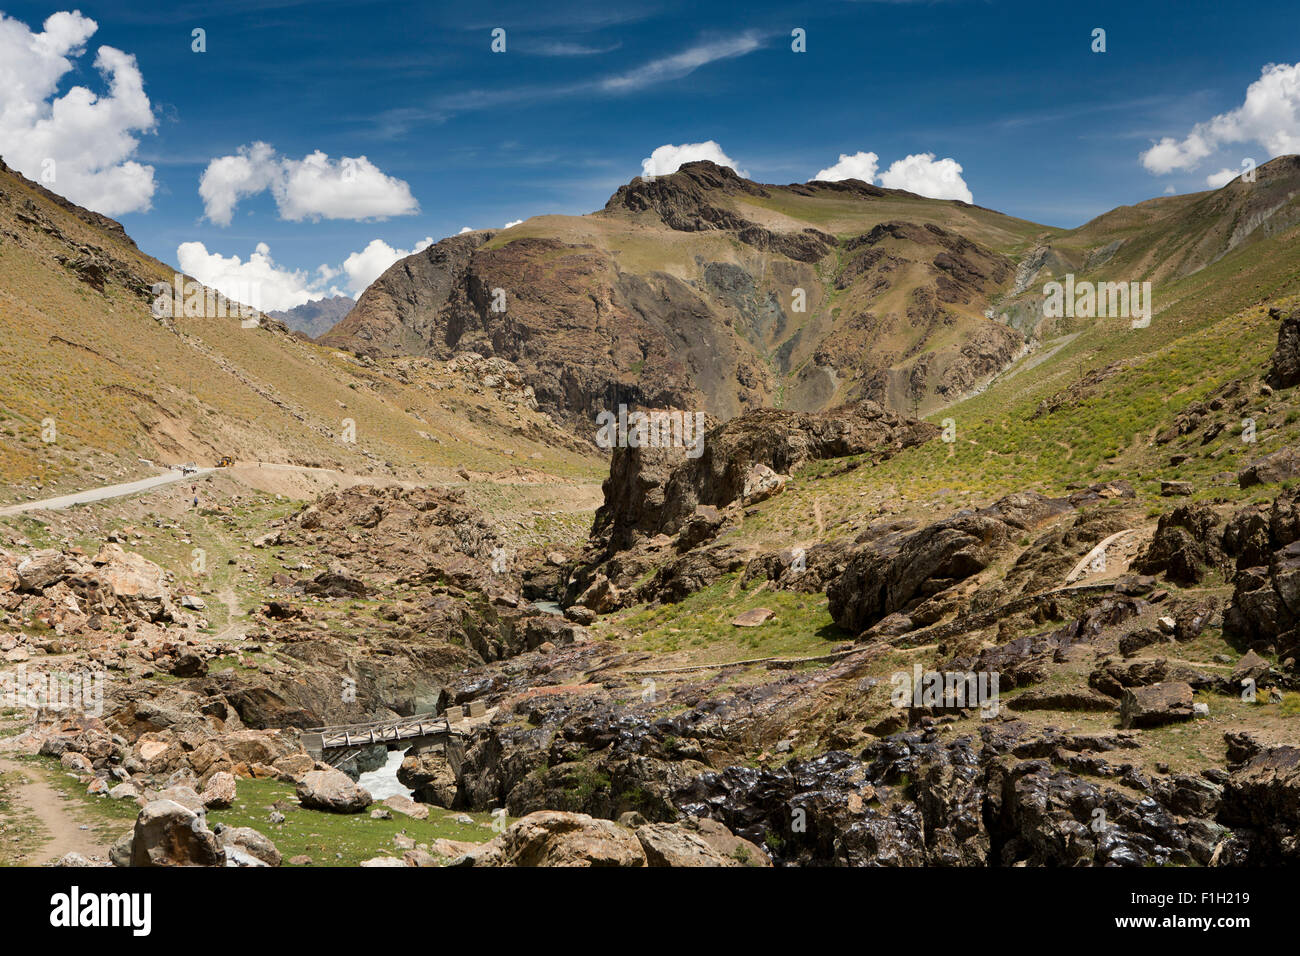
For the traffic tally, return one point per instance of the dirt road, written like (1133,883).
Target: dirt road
(63,834)
(101,494)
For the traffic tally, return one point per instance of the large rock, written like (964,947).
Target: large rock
(555,838)
(332,791)
(1285,368)
(886,574)
(1264,793)
(41,569)
(688,844)
(133,582)
(761,483)
(219,794)
(400,803)
(1150,706)
(168,834)
(1271,469)
(1185,545)
(656,490)
(429,776)
(1265,606)
(246,847)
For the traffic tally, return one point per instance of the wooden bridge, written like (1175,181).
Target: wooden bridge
(336,744)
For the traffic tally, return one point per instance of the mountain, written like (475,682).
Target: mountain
(85,354)
(704,290)
(316,317)
(1024,632)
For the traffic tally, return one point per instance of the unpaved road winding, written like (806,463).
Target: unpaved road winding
(63,834)
(101,494)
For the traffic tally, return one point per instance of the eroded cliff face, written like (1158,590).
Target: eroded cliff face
(701,290)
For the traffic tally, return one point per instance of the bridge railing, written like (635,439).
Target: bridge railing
(377,732)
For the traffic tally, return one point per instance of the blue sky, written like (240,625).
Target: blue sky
(1042,127)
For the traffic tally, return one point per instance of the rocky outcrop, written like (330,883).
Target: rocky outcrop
(1185,545)
(429,775)
(1273,468)
(892,572)
(655,491)
(1263,794)
(1265,607)
(1284,370)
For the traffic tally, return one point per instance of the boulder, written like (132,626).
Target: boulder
(1279,466)
(703,525)
(188,665)
(556,838)
(136,584)
(885,574)
(405,805)
(239,841)
(684,844)
(1284,370)
(1156,704)
(75,763)
(40,569)
(1185,544)
(219,794)
(293,766)
(120,852)
(429,776)
(1250,667)
(452,848)
(752,618)
(169,834)
(602,596)
(332,791)
(761,483)
(337,582)
(185,796)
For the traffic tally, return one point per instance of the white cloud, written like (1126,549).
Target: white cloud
(259,282)
(668,158)
(1170,191)
(314,187)
(512,223)
(925,176)
(919,173)
(858,166)
(682,64)
(463,230)
(1269,116)
(1221,178)
(370,263)
(265,285)
(89,137)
